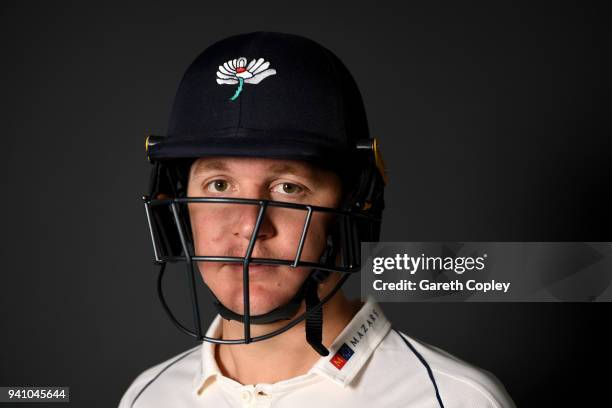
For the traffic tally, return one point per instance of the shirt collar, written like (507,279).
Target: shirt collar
(354,345)
(209,369)
(347,354)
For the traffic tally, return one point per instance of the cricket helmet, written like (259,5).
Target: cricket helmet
(278,96)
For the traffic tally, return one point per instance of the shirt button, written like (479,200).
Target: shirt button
(245,396)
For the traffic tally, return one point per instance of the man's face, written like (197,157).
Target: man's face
(221,229)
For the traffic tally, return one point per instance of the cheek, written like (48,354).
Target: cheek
(207,224)
(289,226)
(316,238)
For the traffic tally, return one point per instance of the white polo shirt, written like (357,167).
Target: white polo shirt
(370,364)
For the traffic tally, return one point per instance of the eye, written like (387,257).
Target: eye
(217,186)
(287,188)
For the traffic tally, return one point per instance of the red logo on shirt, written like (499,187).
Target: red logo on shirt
(338,361)
(342,356)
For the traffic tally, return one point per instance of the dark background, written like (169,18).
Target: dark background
(494,126)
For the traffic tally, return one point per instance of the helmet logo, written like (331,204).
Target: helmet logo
(237,71)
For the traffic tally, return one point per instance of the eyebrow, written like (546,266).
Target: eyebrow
(283,168)
(210,165)
(287,168)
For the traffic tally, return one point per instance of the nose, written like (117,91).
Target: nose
(247,220)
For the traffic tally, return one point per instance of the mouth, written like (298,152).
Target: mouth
(254,269)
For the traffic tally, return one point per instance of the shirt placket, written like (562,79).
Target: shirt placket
(255,397)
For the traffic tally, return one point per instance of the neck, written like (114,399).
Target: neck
(286,355)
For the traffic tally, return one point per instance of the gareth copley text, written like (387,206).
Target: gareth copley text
(453,286)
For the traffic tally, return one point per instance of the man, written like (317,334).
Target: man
(264,187)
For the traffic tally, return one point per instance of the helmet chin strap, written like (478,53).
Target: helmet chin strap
(308,291)
(284,312)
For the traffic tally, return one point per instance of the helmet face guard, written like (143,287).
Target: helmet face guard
(167,221)
(358,219)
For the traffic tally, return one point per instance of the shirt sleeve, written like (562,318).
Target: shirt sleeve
(137,386)
(481,390)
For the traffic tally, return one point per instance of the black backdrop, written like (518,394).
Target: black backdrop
(494,127)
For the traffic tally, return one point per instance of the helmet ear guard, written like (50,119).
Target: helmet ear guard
(360,221)
(367,196)
(167,182)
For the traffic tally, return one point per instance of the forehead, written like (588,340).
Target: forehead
(253,165)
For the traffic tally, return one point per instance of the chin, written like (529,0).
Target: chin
(269,287)
(262,299)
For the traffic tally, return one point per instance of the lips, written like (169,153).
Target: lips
(253,269)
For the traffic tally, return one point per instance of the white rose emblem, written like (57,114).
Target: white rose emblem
(237,71)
